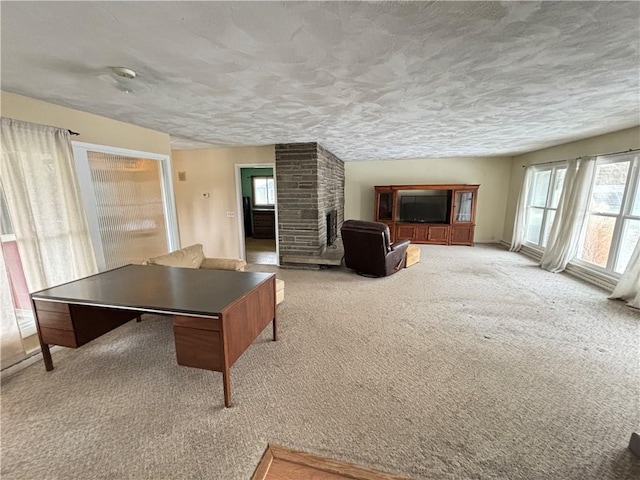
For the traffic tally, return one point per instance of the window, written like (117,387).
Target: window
(612,226)
(264,193)
(16,301)
(128,199)
(545,187)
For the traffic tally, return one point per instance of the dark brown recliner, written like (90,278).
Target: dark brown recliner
(368,249)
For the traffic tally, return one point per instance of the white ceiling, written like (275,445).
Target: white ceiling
(368,80)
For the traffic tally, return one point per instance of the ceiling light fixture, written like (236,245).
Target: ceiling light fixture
(124,72)
(124,79)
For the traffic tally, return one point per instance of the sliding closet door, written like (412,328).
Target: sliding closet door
(128,206)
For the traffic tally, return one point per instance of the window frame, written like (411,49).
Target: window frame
(628,196)
(253,191)
(553,168)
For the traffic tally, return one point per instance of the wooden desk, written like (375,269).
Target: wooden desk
(216,314)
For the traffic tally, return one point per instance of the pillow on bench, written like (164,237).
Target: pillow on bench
(187,257)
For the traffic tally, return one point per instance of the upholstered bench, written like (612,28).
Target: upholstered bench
(413,255)
(193,257)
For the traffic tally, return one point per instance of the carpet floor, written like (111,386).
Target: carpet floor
(472,364)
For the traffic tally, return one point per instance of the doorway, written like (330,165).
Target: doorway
(257,201)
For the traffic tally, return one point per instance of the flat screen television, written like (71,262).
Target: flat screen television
(425,208)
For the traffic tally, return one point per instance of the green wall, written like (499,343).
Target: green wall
(247,173)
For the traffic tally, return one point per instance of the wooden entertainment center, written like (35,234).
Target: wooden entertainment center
(439,214)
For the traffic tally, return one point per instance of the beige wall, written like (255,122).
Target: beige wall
(204,219)
(92,128)
(602,144)
(491,173)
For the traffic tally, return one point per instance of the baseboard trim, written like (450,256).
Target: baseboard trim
(595,278)
(29,360)
(598,279)
(531,252)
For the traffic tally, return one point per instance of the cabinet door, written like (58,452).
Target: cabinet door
(422,234)
(438,234)
(384,206)
(462,235)
(405,232)
(463,206)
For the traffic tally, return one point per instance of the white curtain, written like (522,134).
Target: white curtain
(39,180)
(572,208)
(521,213)
(628,287)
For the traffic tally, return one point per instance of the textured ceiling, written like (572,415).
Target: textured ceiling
(379,80)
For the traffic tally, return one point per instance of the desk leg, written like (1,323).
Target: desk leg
(226,377)
(275,314)
(227,386)
(46,353)
(46,356)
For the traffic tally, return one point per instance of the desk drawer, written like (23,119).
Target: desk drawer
(201,323)
(60,321)
(53,336)
(51,306)
(198,348)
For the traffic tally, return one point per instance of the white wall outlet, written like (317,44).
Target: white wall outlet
(231,214)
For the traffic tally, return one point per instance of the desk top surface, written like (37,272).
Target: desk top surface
(157,288)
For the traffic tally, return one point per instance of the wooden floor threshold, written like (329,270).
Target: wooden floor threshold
(279,463)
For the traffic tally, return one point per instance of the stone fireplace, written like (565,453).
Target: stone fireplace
(310,185)
(332,227)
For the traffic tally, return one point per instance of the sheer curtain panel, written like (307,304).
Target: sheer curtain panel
(39,180)
(569,219)
(628,287)
(521,213)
